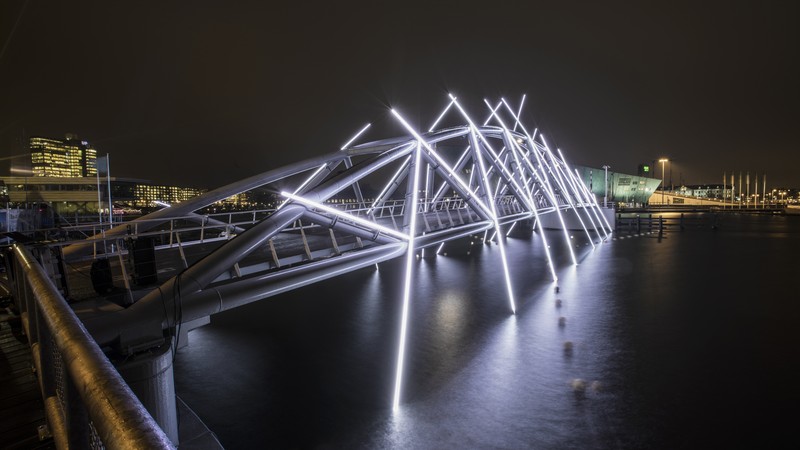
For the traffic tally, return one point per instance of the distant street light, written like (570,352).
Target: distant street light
(662,161)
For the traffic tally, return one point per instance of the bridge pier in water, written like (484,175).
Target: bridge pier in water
(150,376)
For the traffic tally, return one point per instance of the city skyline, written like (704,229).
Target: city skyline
(203,96)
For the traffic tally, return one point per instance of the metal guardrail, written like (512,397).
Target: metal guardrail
(87,403)
(185,230)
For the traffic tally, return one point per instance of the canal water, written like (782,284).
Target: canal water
(687,340)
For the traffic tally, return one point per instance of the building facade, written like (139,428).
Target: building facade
(70,157)
(84,195)
(631,190)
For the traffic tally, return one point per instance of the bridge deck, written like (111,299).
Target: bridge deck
(21,406)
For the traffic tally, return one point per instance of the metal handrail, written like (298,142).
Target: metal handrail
(113,410)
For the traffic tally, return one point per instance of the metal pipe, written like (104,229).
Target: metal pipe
(230,295)
(145,319)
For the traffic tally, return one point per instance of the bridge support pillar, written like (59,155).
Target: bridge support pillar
(150,377)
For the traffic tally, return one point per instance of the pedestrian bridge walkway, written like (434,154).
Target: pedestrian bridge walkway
(137,287)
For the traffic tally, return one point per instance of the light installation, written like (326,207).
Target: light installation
(470,188)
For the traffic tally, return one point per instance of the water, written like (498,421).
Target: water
(685,341)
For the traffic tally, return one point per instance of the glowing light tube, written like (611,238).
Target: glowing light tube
(551,194)
(308,180)
(500,242)
(379,198)
(336,212)
(459,162)
(587,206)
(490,151)
(355,137)
(513,143)
(566,185)
(436,122)
(492,113)
(545,183)
(581,195)
(407,284)
(510,228)
(515,147)
(441,161)
(519,112)
(571,203)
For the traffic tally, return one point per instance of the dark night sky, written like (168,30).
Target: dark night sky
(206,92)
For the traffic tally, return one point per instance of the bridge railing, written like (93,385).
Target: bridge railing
(87,403)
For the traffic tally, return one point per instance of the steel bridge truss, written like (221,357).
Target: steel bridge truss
(436,186)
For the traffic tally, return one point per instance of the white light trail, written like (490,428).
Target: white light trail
(356,136)
(160,203)
(336,212)
(528,191)
(392,180)
(519,112)
(546,182)
(492,113)
(490,198)
(308,180)
(510,228)
(548,189)
(440,248)
(489,149)
(576,185)
(513,143)
(449,105)
(441,161)
(407,284)
(569,200)
(441,189)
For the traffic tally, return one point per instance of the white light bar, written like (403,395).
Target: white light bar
(440,116)
(441,161)
(519,112)
(334,211)
(407,284)
(355,137)
(308,180)
(500,243)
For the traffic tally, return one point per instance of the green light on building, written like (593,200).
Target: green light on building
(646,168)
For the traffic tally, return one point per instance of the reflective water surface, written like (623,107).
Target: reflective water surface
(682,341)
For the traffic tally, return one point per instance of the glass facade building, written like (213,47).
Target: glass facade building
(62,158)
(631,190)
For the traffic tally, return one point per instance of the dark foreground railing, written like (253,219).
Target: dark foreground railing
(87,403)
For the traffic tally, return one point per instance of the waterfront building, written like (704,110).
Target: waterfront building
(631,190)
(79,195)
(69,157)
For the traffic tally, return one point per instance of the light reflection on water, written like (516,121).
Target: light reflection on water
(656,336)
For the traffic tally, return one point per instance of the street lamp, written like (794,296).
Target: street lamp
(662,161)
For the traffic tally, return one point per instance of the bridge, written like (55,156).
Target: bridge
(180,265)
